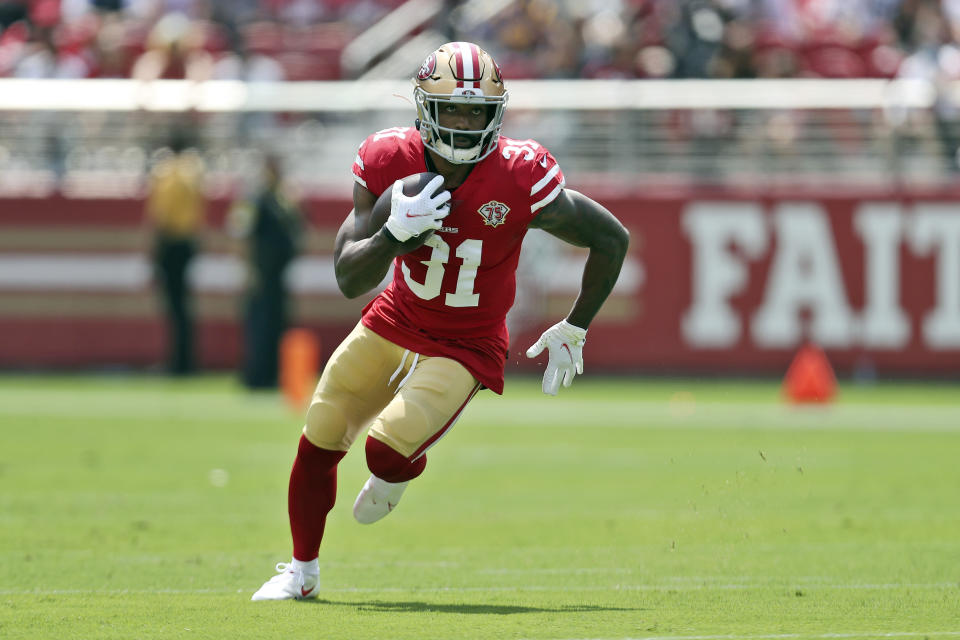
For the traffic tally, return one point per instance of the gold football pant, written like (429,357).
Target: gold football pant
(408,401)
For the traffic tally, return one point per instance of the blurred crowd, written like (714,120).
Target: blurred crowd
(255,40)
(304,39)
(719,38)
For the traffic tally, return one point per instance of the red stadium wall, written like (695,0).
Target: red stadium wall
(715,282)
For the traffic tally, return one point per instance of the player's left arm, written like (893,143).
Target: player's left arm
(583,222)
(575,218)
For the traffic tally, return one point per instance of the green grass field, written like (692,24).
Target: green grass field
(136,507)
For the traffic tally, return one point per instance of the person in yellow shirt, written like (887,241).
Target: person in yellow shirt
(175,212)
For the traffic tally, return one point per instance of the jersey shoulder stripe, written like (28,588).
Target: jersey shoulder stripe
(550,197)
(545,180)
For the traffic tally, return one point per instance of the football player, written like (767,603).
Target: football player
(437,334)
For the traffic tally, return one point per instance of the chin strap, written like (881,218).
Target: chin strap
(458,155)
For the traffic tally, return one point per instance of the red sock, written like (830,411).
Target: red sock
(312,493)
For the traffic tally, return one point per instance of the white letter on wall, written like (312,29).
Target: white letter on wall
(938,225)
(804,274)
(717,273)
(884,323)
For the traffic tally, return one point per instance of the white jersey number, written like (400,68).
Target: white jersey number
(527,147)
(392,132)
(469,252)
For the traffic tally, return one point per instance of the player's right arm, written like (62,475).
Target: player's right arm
(363,251)
(367,245)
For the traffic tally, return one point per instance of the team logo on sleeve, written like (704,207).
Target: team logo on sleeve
(494,213)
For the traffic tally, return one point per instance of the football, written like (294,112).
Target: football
(412,185)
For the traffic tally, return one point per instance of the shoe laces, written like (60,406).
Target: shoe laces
(283,568)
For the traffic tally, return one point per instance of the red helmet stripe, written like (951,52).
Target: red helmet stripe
(459,58)
(467,56)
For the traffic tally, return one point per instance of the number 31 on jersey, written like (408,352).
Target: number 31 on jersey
(469,252)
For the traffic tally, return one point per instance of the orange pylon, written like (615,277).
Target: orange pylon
(810,377)
(299,363)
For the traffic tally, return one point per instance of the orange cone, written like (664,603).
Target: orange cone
(810,377)
(299,363)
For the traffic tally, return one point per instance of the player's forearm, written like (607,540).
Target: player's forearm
(599,276)
(362,265)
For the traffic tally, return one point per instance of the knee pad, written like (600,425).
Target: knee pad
(326,427)
(387,464)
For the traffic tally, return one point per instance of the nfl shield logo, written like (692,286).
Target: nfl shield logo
(494,213)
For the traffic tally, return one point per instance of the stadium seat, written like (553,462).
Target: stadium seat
(213,36)
(300,66)
(832,61)
(263,37)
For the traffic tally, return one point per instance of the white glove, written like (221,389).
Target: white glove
(412,215)
(564,342)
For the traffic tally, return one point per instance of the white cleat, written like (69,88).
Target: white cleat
(290,583)
(377,499)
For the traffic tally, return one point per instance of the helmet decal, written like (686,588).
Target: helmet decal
(428,67)
(497,75)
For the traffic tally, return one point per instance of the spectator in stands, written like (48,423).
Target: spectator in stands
(175,212)
(173,52)
(107,50)
(936,59)
(12,12)
(271,225)
(41,59)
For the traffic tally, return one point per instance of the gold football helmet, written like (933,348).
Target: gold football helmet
(459,72)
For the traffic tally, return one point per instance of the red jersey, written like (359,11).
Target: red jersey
(450,297)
